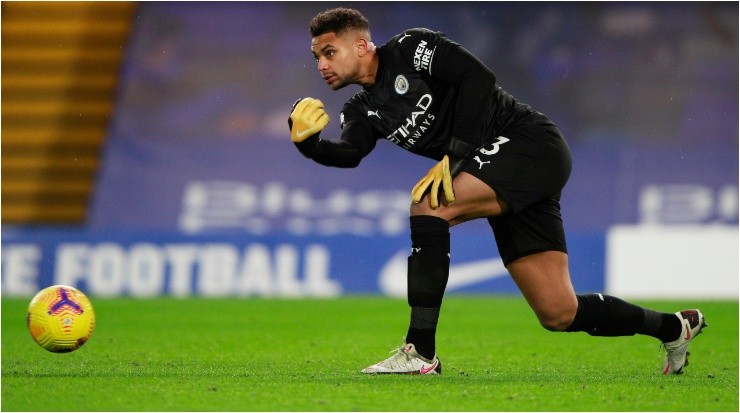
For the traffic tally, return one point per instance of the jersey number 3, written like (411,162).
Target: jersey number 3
(494,146)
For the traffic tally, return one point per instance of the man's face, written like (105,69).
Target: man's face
(337,58)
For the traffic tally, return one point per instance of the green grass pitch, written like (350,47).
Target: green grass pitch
(304,355)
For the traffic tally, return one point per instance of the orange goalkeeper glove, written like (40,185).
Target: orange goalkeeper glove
(307,119)
(439,174)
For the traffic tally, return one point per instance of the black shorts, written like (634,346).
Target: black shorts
(527,165)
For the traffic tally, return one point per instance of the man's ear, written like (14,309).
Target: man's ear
(362,45)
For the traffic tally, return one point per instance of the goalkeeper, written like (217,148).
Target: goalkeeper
(498,159)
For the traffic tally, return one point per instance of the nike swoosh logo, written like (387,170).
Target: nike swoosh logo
(392,278)
(688,331)
(430,368)
(300,135)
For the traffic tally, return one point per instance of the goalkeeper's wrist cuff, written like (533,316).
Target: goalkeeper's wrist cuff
(308,146)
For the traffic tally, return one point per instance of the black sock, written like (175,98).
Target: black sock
(607,316)
(663,326)
(423,329)
(428,271)
(424,341)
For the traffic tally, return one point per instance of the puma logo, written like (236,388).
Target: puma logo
(481,162)
(373,113)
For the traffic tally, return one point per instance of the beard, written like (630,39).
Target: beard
(352,77)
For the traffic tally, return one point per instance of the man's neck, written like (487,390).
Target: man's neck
(370,69)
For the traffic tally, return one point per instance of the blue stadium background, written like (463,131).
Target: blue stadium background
(201,192)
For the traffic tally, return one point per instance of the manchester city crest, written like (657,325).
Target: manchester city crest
(401,84)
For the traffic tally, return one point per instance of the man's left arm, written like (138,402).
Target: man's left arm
(476,85)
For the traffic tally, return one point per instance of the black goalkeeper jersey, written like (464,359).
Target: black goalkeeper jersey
(427,90)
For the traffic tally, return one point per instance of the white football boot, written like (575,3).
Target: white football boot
(405,361)
(676,354)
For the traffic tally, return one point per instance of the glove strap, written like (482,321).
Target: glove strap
(456,165)
(458,150)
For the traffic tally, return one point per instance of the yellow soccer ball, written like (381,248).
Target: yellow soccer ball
(60,318)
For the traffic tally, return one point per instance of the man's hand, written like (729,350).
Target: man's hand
(440,173)
(307,119)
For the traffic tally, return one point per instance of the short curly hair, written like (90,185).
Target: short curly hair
(337,21)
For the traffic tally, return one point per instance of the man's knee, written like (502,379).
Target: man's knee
(558,319)
(421,208)
(444,211)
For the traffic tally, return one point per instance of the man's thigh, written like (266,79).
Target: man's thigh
(473,199)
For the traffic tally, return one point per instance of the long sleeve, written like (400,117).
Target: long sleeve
(476,85)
